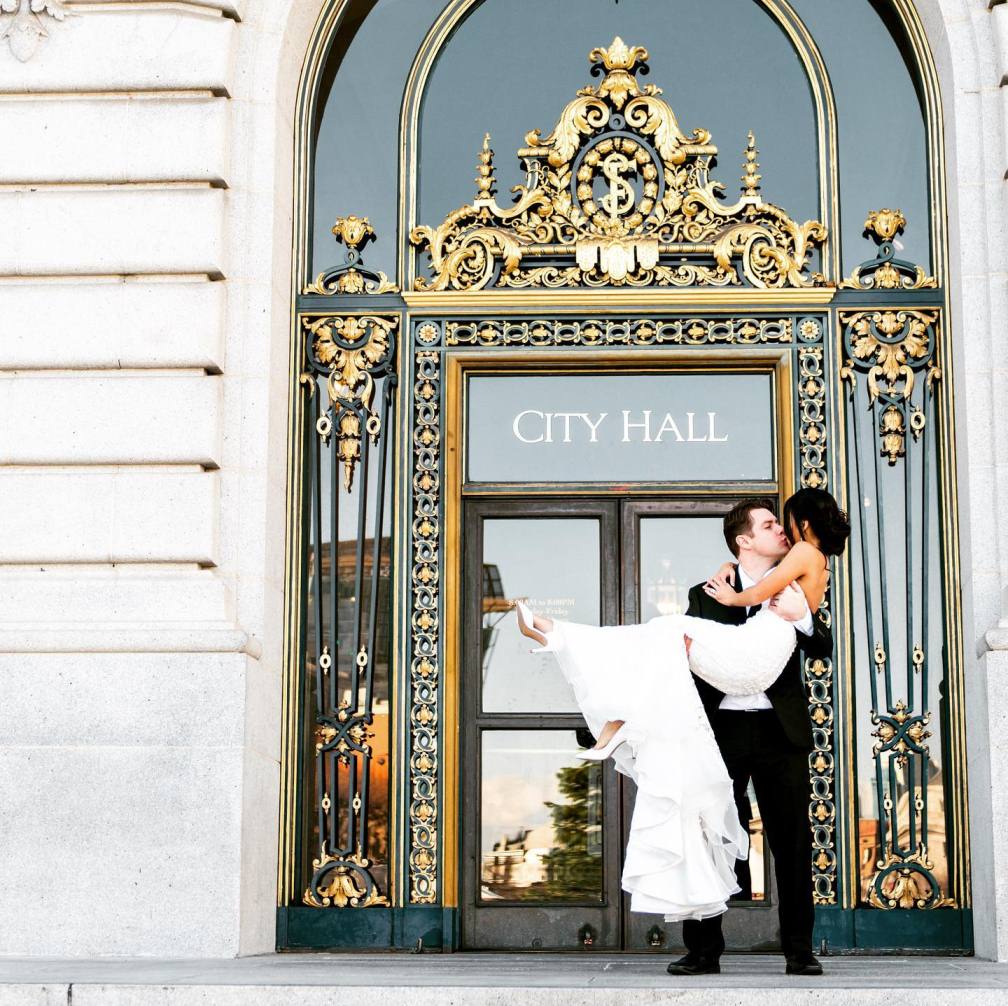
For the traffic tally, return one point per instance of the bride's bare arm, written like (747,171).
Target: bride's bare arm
(801,560)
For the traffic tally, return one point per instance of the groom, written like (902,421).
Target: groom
(766,738)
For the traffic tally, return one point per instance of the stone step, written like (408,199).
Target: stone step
(494,980)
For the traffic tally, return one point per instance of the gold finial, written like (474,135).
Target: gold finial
(751,176)
(884,225)
(486,184)
(619,56)
(620,63)
(353,231)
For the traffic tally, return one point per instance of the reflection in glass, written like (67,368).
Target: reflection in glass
(540,819)
(520,561)
(342,604)
(675,554)
(752,873)
(898,660)
(473,89)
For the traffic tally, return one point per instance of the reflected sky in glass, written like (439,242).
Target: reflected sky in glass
(883,146)
(751,79)
(513,65)
(357,153)
(526,555)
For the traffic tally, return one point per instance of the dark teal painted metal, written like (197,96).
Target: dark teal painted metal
(868,931)
(301,928)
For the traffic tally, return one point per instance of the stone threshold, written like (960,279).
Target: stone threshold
(492,980)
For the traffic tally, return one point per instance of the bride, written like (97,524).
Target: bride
(634,687)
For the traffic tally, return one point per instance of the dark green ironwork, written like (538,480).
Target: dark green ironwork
(892,372)
(349,384)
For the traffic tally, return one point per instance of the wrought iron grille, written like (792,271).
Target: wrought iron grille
(893,377)
(349,382)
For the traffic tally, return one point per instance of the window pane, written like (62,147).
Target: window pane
(520,561)
(675,554)
(333,611)
(620,428)
(357,149)
(883,145)
(898,658)
(540,819)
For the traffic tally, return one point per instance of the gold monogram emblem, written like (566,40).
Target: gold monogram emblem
(621,195)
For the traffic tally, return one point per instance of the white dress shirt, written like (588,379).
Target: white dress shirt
(750,703)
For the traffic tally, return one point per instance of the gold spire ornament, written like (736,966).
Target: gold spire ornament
(751,176)
(486,184)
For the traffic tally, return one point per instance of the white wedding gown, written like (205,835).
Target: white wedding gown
(685,833)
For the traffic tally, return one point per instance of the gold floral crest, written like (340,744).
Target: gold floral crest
(617,194)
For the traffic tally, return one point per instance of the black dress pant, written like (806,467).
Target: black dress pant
(754,746)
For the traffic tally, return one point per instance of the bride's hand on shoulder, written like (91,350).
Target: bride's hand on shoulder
(725,574)
(721,585)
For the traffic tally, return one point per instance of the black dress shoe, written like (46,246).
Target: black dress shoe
(803,966)
(693,965)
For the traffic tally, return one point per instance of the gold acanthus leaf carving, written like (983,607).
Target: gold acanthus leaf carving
(349,883)
(350,347)
(632,205)
(892,343)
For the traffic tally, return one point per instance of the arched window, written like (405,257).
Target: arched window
(742,205)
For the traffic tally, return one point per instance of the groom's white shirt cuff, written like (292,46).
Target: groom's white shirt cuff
(750,703)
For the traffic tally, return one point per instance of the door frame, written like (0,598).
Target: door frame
(778,361)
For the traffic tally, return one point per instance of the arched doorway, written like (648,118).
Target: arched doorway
(618,272)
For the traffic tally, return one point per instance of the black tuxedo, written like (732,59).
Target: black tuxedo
(771,747)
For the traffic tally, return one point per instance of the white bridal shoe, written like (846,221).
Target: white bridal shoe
(600,754)
(526,622)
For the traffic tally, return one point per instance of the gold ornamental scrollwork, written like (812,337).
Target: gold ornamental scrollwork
(342,882)
(907,881)
(352,277)
(885,271)
(350,352)
(425,631)
(892,347)
(619,195)
(741,331)
(812,414)
(813,452)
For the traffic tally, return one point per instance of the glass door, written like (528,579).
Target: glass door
(540,830)
(667,547)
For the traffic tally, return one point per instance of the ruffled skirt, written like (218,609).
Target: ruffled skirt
(685,834)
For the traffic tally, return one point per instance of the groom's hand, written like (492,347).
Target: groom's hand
(790,603)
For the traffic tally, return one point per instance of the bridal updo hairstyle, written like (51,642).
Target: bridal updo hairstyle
(825,519)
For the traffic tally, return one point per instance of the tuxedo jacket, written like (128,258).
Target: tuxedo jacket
(787,694)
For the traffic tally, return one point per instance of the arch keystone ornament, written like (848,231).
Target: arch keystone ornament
(618,195)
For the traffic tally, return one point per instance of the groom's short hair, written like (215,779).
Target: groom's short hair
(738,520)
